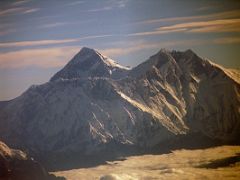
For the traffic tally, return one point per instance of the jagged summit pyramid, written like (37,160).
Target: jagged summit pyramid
(90,63)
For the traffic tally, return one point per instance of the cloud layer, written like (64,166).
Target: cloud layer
(44,58)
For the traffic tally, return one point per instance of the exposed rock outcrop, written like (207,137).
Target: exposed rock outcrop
(16,165)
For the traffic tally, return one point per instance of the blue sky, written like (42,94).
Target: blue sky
(38,37)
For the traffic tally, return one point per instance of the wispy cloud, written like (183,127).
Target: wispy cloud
(222,25)
(107,8)
(18,3)
(31,10)
(11,11)
(56,24)
(219,15)
(49,42)
(157,32)
(18,10)
(96,36)
(44,58)
(64,23)
(110,5)
(121,3)
(36,43)
(75,3)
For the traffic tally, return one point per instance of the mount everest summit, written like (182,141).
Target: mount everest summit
(93,101)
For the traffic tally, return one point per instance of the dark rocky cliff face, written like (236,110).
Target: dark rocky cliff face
(16,165)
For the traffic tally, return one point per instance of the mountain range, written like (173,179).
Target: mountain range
(95,104)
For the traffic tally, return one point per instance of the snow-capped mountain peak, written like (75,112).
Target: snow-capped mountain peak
(90,63)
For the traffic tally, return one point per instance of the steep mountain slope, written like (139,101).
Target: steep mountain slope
(16,165)
(93,102)
(188,85)
(212,96)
